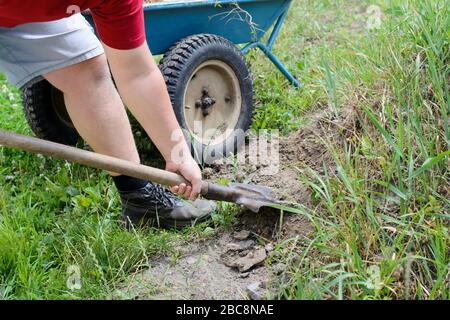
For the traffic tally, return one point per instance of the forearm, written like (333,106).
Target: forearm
(142,88)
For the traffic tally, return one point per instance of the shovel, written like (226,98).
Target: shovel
(252,197)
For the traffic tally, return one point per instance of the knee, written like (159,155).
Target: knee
(92,73)
(97,71)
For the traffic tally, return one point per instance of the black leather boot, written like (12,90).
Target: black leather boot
(154,205)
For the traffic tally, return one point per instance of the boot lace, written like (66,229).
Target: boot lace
(163,195)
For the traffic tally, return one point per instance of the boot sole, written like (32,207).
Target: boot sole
(164,223)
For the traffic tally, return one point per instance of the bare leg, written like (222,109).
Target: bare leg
(98,113)
(143,89)
(95,108)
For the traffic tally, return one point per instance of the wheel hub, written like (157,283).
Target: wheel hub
(205,102)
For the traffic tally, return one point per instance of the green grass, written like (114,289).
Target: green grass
(383,222)
(55,215)
(381,225)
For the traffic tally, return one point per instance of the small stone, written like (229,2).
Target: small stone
(242,235)
(208,172)
(244,275)
(256,291)
(279,268)
(269,247)
(277,254)
(191,260)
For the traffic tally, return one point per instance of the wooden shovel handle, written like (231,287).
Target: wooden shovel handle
(92,159)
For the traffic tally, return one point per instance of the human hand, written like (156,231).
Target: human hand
(190,170)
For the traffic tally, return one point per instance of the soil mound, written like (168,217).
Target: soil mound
(232,264)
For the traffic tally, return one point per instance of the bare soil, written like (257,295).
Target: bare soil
(234,264)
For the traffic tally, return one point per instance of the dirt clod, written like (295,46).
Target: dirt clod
(239,246)
(242,235)
(245,263)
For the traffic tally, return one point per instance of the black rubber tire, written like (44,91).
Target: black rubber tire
(177,67)
(40,101)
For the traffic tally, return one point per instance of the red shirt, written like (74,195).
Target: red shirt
(120,23)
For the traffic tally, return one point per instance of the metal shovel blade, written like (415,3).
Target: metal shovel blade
(253,197)
(250,196)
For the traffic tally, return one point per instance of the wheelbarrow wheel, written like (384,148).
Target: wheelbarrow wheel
(211,89)
(46,113)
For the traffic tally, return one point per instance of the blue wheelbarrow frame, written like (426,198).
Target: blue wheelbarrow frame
(243,22)
(200,29)
(239,21)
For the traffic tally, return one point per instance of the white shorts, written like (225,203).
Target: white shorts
(31,50)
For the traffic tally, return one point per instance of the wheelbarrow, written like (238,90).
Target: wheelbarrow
(203,43)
